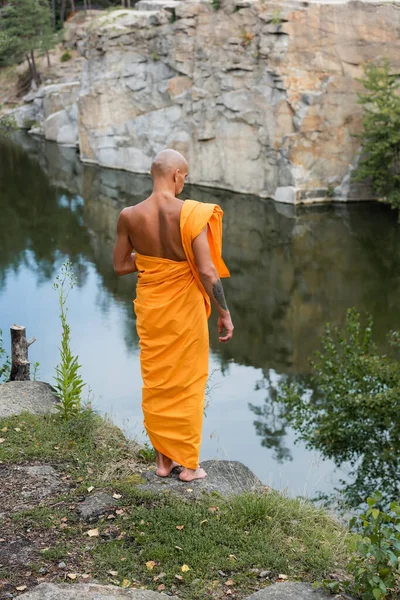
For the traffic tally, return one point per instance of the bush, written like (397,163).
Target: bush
(66,56)
(380,135)
(375,565)
(351,410)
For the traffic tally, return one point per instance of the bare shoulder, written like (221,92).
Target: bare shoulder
(127,214)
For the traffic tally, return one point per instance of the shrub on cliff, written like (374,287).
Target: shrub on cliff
(380,136)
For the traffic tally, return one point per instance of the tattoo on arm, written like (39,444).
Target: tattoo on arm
(218,292)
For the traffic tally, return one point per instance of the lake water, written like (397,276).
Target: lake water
(293,269)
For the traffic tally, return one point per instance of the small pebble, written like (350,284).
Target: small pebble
(61,565)
(42,570)
(264,574)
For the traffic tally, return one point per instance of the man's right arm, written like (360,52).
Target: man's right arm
(212,284)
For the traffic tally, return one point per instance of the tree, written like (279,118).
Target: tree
(380,135)
(25,26)
(351,410)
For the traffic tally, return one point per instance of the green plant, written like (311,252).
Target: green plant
(330,192)
(7,125)
(29,123)
(375,564)
(66,56)
(25,26)
(380,135)
(147,453)
(350,410)
(5,364)
(276,17)
(155,56)
(35,366)
(172,18)
(69,383)
(216,4)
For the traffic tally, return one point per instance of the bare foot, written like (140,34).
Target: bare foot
(165,465)
(165,470)
(191,475)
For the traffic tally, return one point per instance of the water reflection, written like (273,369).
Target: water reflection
(293,269)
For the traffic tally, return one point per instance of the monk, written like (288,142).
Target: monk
(176,248)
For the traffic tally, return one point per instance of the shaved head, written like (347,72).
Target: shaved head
(167,162)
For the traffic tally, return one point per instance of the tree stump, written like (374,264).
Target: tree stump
(20,365)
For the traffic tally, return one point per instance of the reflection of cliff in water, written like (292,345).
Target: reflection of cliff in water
(292,269)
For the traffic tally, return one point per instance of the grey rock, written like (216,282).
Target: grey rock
(290,591)
(35,397)
(61,565)
(42,570)
(95,505)
(81,591)
(226,478)
(264,574)
(40,481)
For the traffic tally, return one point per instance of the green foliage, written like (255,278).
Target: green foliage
(155,56)
(7,125)
(216,4)
(147,453)
(35,366)
(29,123)
(69,383)
(375,564)
(25,26)
(5,364)
(276,17)
(351,414)
(330,192)
(380,136)
(66,56)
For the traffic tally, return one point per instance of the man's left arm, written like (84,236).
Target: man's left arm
(124,260)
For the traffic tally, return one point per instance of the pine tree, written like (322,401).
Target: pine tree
(380,136)
(25,26)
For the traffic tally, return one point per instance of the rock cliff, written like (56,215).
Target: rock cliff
(260,96)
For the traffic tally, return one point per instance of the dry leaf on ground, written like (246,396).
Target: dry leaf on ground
(93,532)
(185,568)
(150,565)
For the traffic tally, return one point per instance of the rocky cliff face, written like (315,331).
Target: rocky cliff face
(260,96)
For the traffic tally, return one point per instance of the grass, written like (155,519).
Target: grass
(88,441)
(148,540)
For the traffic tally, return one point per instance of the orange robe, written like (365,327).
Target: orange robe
(172,308)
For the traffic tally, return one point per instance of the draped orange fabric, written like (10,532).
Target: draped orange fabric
(171,309)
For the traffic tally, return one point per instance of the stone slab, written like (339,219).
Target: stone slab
(227,478)
(35,397)
(81,591)
(290,591)
(95,505)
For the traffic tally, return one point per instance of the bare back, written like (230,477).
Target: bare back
(154,227)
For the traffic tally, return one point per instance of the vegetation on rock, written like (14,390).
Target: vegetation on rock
(380,135)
